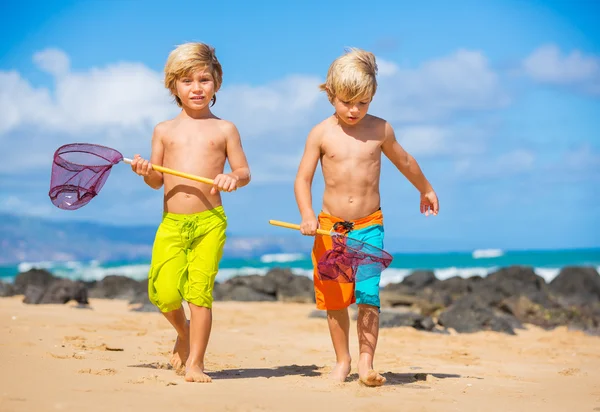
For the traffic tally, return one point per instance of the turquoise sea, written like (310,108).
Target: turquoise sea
(546,263)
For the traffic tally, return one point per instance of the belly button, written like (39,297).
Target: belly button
(350,199)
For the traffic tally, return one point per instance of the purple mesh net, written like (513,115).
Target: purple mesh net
(351,260)
(79,171)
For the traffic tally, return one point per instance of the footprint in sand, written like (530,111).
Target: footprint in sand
(100,372)
(569,372)
(154,365)
(71,356)
(80,342)
(151,379)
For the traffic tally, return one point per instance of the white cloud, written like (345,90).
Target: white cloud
(386,68)
(17,100)
(12,204)
(508,164)
(424,140)
(122,96)
(52,61)
(439,89)
(548,65)
(274,108)
(448,140)
(118,104)
(583,158)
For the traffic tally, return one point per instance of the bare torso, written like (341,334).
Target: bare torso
(351,164)
(196,147)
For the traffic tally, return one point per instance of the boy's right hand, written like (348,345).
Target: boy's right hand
(141,166)
(429,203)
(308,226)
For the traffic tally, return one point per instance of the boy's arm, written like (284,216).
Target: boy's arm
(240,171)
(408,166)
(143,167)
(304,179)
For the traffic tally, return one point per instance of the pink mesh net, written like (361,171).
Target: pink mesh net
(79,171)
(351,260)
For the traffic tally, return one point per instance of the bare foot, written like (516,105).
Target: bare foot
(196,373)
(181,351)
(371,378)
(340,371)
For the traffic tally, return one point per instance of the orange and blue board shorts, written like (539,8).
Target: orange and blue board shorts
(333,295)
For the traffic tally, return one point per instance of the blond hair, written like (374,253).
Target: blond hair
(351,76)
(188,58)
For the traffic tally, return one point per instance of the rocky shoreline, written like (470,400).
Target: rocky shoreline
(503,301)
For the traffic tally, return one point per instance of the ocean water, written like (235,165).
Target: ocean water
(546,263)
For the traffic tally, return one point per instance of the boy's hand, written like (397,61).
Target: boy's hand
(308,226)
(224,183)
(141,166)
(429,203)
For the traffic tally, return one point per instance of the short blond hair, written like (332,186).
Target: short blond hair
(189,58)
(351,76)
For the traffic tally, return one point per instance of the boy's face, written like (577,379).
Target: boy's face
(196,89)
(351,112)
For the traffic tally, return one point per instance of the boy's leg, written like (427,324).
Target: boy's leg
(201,325)
(181,350)
(169,264)
(204,260)
(339,329)
(368,333)
(367,299)
(330,294)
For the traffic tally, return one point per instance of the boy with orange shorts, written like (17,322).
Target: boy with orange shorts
(349,145)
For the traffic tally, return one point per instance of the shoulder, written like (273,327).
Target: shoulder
(228,128)
(321,128)
(162,128)
(382,126)
(375,122)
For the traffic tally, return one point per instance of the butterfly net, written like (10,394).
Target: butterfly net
(79,171)
(351,260)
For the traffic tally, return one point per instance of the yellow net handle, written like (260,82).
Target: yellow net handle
(176,173)
(296,227)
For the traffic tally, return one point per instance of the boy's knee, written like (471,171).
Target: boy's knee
(366,307)
(166,300)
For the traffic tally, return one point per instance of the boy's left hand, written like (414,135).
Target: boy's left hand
(224,183)
(429,203)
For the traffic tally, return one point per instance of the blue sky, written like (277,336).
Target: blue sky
(497,100)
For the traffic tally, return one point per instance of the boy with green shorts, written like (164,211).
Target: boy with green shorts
(190,239)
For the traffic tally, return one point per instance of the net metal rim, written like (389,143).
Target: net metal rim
(77,147)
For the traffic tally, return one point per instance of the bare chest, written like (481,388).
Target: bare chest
(194,143)
(346,148)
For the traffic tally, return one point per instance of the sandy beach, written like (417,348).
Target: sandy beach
(274,357)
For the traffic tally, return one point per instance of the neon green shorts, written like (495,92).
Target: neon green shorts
(185,259)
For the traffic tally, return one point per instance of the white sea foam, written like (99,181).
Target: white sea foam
(487,253)
(281,257)
(547,273)
(93,270)
(25,266)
